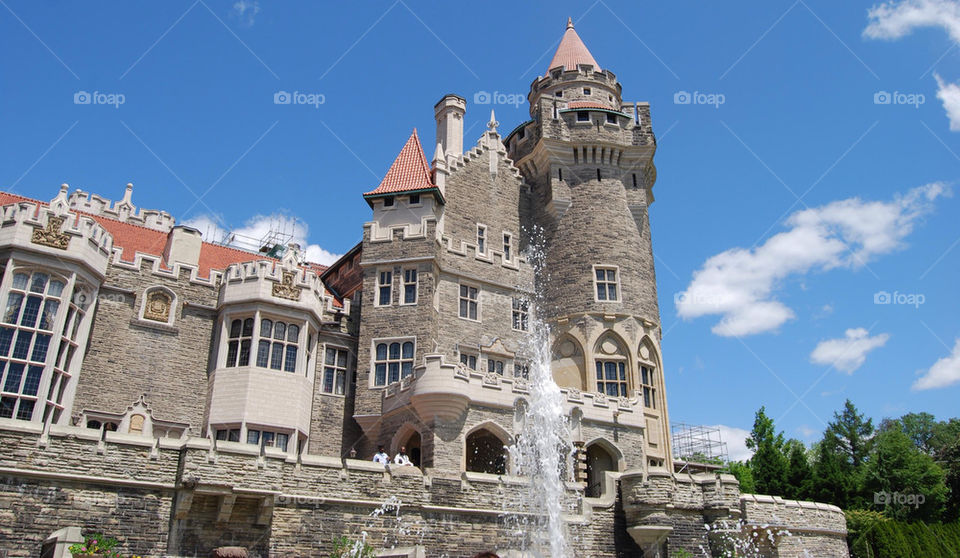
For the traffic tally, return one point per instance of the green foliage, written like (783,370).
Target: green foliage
(871,534)
(798,470)
(95,543)
(768,464)
(681,553)
(898,467)
(743,475)
(343,547)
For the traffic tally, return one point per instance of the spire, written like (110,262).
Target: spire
(571,51)
(410,172)
(492,125)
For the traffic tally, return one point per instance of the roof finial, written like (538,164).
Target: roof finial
(492,125)
(569,23)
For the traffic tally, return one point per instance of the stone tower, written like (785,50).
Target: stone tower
(588,158)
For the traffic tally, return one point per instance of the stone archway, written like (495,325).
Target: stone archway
(600,460)
(486,452)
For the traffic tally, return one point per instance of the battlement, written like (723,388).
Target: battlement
(122,210)
(283,283)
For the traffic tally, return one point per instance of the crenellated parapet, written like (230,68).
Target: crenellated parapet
(122,210)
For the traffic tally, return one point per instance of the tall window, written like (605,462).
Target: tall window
(494,365)
(521,370)
(520,314)
(612,378)
(470,361)
(392,361)
(384,288)
(69,351)
(277,348)
(649,391)
(482,239)
(277,343)
(468,302)
(28,320)
(507,246)
(335,371)
(238,345)
(409,286)
(607,284)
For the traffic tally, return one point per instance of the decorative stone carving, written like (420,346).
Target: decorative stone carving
(491,379)
(158,306)
(573,394)
(285,288)
(51,235)
(136,424)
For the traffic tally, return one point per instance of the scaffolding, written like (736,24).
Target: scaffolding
(272,244)
(698,443)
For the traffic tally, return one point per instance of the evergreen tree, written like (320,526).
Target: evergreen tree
(799,474)
(768,464)
(906,481)
(744,476)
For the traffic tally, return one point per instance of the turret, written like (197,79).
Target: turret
(449,113)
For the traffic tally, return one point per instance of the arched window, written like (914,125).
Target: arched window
(648,374)
(277,343)
(599,461)
(611,367)
(568,365)
(486,453)
(392,360)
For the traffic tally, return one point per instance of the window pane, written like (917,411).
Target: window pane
(253,436)
(6,407)
(25,411)
(293,333)
(234,435)
(39,282)
(382,351)
(20,280)
(276,356)
(13,308)
(33,380)
(408,350)
(248,327)
(463,290)
(380,376)
(30,311)
(235,328)
(244,353)
(339,390)
(290,362)
(601,292)
(6,336)
(14,374)
(342,359)
(394,350)
(331,357)
(473,293)
(612,389)
(55,288)
(463,308)
(22,345)
(406,369)
(232,353)
(279,330)
(611,370)
(394,371)
(282,441)
(50,308)
(473,310)
(599,370)
(40,348)
(384,296)
(623,372)
(611,275)
(410,294)
(266,327)
(613,291)
(263,353)
(328,380)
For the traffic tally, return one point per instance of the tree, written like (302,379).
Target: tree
(798,470)
(768,464)
(744,476)
(904,480)
(854,435)
(840,458)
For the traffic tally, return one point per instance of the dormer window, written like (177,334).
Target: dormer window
(586,90)
(583,116)
(611,118)
(388,201)
(414,199)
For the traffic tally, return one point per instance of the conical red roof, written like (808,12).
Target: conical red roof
(571,51)
(409,172)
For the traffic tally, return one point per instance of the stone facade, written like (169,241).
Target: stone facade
(182,395)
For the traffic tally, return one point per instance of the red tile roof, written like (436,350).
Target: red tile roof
(409,172)
(571,51)
(134,238)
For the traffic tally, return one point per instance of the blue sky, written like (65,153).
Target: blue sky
(793,108)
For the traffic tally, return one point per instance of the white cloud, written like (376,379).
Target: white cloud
(943,373)
(894,20)
(848,352)
(246,11)
(736,440)
(258,228)
(949,95)
(739,284)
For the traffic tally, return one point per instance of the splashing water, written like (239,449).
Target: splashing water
(542,449)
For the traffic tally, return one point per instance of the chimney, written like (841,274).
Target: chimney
(449,114)
(183,246)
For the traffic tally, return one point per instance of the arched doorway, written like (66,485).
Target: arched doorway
(485,453)
(599,461)
(413,448)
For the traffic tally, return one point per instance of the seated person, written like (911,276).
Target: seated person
(381,457)
(402,458)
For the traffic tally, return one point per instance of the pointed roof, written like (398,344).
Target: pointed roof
(571,51)
(410,172)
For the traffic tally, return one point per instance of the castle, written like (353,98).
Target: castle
(185,395)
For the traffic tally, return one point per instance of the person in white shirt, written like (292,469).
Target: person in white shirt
(401,458)
(381,457)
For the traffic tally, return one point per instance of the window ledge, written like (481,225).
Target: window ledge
(159,326)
